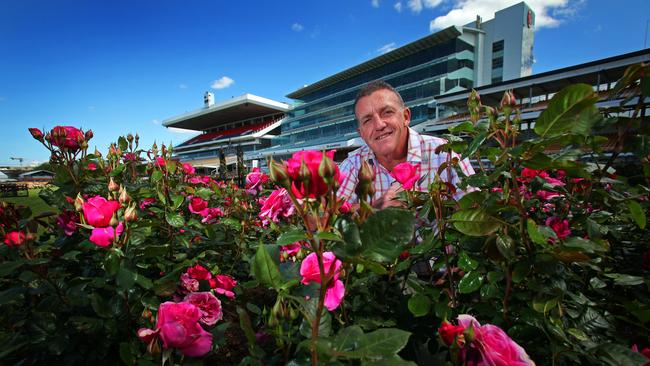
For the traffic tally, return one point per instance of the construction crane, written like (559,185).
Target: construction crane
(19,159)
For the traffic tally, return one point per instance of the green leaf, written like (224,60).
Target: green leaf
(125,279)
(174,219)
(637,213)
(11,294)
(204,193)
(471,282)
(466,126)
(10,267)
(328,236)
(565,111)
(506,246)
(348,339)
(112,262)
(466,263)
(351,245)
(534,234)
(291,236)
(122,143)
(385,233)
(475,222)
(382,343)
(177,201)
(393,360)
(624,279)
(265,269)
(475,144)
(126,353)
(585,245)
(617,355)
(117,171)
(309,310)
(419,305)
(156,176)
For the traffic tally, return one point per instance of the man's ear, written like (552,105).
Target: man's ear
(407,116)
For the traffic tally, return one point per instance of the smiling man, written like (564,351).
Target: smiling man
(383,123)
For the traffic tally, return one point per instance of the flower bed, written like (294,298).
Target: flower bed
(544,258)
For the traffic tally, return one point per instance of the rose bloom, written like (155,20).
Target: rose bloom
(209,306)
(198,205)
(317,186)
(146,202)
(67,137)
(345,207)
(178,324)
(276,205)
(67,221)
(450,333)
(160,162)
(104,236)
(255,181)
(199,272)
(290,250)
(188,169)
(559,226)
(223,284)
(92,166)
(98,211)
(310,272)
(491,346)
(15,238)
(406,174)
(547,195)
(212,215)
(188,283)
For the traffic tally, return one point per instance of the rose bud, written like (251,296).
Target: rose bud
(123,196)
(129,138)
(130,214)
(279,174)
(79,202)
(112,186)
(327,169)
(304,174)
(89,135)
(36,133)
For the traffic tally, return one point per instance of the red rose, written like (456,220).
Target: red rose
(67,137)
(15,238)
(316,185)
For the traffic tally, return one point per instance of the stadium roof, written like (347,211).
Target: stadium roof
(608,70)
(236,109)
(396,54)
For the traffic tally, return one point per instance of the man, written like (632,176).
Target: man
(384,127)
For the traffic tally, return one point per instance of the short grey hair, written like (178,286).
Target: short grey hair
(374,86)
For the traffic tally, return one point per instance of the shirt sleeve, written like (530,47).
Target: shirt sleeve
(349,169)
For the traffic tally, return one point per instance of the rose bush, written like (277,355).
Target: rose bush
(146,261)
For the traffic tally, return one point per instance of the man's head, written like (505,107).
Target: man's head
(383,121)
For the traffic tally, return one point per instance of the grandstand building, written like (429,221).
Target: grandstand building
(229,130)
(454,59)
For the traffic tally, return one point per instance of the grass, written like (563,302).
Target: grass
(32,201)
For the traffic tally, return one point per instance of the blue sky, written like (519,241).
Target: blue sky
(124,66)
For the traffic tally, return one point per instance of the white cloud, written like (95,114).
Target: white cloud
(222,83)
(431,3)
(415,5)
(182,86)
(182,131)
(375,3)
(398,7)
(386,48)
(155,122)
(548,13)
(297,27)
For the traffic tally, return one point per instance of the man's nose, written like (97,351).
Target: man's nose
(378,122)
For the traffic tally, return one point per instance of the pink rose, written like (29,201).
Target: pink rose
(290,250)
(104,236)
(345,207)
(547,195)
(15,238)
(255,181)
(67,221)
(317,186)
(559,226)
(277,204)
(92,166)
(146,202)
(188,283)
(67,137)
(209,306)
(98,211)
(199,272)
(36,133)
(451,333)
(198,205)
(179,328)
(223,284)
(212,215)
(188,169)
(406,174)
(310,272)
(160,162)
(129,157)
(491,346)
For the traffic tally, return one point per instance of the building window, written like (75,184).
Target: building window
(497,46)
(497,61)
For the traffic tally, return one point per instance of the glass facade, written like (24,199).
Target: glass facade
(326,115)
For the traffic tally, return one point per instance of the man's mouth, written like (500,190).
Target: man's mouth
(383,136)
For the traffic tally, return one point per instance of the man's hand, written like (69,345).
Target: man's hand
(389,199)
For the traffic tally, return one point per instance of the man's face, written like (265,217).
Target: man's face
(383,123)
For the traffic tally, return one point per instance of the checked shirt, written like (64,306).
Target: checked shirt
(421,150)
